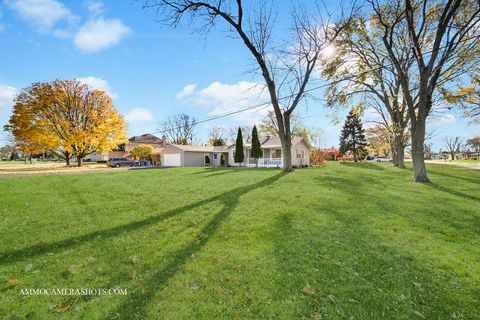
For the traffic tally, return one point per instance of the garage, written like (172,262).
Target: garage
(193,156)
(172,160)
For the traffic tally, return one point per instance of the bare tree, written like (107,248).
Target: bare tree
(359,71)
(232,134)
(178,128)
(443,36)
(269,125)
(474,143)
(453,145)
(217,136)
(286,69)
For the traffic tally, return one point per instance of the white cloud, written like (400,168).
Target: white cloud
(42,14)
(100,84)
(62,33)
(224,98)
(371,117)
(7,94)
(447,119)
(99,34)
(95,7)
(186,91)
(139,115)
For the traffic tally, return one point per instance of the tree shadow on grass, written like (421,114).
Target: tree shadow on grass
(452,192)
(363,165)
(207,170)
(135,306)
(43,248)
(344,268)
(468,179)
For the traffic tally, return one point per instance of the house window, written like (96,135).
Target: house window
(300,154)
(215,156)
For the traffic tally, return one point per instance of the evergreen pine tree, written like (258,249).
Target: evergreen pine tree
(352,137)
(256,151)
(239,156)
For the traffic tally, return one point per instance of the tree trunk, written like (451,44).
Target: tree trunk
(287,156)
(79,161)
(399,159)
(394,155)
(418,157)
(30,158)
(67,158)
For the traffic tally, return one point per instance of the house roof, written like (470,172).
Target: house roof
(146,138)
(158,150)
(272,142)
(200,148)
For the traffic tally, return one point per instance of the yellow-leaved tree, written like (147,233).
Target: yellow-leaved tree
(67,117)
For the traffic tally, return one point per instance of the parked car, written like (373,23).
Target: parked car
(120,162)
(382,159)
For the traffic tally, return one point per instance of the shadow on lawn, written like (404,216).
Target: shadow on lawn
(43,248)
(352,268)
(211,170)
(440,173)
(363,165)
(136,303)
(452,192)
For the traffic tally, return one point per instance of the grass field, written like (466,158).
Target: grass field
(345,241)
(460,161)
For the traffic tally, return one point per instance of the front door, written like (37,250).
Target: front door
(216,159)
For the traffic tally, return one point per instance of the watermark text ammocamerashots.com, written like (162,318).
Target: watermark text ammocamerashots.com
(73,292)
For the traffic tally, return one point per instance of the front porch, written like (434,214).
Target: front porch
(271,158)
(264,162)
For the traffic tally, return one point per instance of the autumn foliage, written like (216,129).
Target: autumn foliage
(142,152)
(317,157)
(67,117)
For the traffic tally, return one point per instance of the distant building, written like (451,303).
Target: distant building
(124,149)
(331,153)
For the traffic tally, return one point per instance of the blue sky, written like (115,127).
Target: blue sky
(151,70)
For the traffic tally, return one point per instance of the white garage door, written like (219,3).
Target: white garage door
(171,160)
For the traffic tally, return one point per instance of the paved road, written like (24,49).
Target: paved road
(456,164)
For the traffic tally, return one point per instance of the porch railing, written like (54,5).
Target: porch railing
(265,162)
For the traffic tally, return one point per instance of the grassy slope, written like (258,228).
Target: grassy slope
(359,240)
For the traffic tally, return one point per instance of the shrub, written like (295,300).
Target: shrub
(317,157)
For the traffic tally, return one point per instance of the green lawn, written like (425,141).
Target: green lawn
(460,161)
(346,241)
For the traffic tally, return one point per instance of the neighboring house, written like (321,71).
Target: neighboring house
(272,153)
(439,156)
(157,143)
(104,156)
(175,155)
(331,153)
(147,138)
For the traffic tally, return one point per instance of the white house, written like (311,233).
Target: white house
(272,153)
(184,155)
